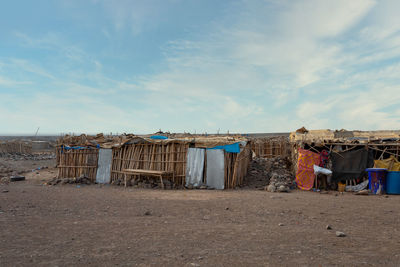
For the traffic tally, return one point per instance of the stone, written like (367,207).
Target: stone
(364,192)
(271,188)
(328,227)
(283,189)
(281,224)
(147,213)
(340,234)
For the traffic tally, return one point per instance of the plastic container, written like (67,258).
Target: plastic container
(377,180)
(341,187)
(393,183)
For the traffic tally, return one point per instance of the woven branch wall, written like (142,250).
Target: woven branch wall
(270,147)
(168,156)
(74,163)
(236,165)
(16,147)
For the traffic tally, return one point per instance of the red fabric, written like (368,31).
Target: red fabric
(305,169)
(324,157)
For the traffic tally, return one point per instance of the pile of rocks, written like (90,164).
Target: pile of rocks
(80,180)
(5,170)
(282,179)
(258,173)
(21,156)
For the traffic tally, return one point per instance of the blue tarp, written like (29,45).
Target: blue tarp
(232,148)
(158,137)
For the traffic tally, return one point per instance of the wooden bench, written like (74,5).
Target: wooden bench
(139,172)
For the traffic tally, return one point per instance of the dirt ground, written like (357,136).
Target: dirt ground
(70,225)
(10,167)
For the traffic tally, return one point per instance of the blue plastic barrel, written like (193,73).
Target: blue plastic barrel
(393,183)
(377,180)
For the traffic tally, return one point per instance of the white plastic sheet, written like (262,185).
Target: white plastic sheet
(320,170)
(103,174)
(195,166)
(325,171)
(215,168)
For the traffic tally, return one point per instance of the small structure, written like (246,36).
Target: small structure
(270,147)
(217,162)
(346,153)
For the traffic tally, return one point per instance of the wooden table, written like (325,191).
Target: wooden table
(159,174)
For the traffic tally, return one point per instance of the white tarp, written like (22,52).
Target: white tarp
(103,175)
(324,171)
(195,166)
(215,168)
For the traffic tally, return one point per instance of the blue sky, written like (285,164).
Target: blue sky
(198,66)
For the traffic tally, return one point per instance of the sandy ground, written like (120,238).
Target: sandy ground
(67,225)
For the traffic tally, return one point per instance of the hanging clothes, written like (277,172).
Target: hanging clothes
(324,158)
(305,169)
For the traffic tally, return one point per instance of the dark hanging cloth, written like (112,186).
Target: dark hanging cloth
(351,164)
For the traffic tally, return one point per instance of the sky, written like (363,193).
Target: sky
(198,66)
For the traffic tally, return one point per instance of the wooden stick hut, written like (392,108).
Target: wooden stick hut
(350,152)
(80,156)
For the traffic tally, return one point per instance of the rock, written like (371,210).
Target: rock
(281,224)
(5,191)
(283,189)
(364,192)
(328,227)
(271,188)
(147,213)
(5,180)
(340,234)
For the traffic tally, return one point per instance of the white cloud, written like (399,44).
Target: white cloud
(266,66)
(11,83)
(30,67)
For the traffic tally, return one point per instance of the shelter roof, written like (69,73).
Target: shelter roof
(303,135)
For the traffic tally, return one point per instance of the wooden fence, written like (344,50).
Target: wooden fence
(76,162)
(270,147)
(236,165)
(168,156)
(15,147)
